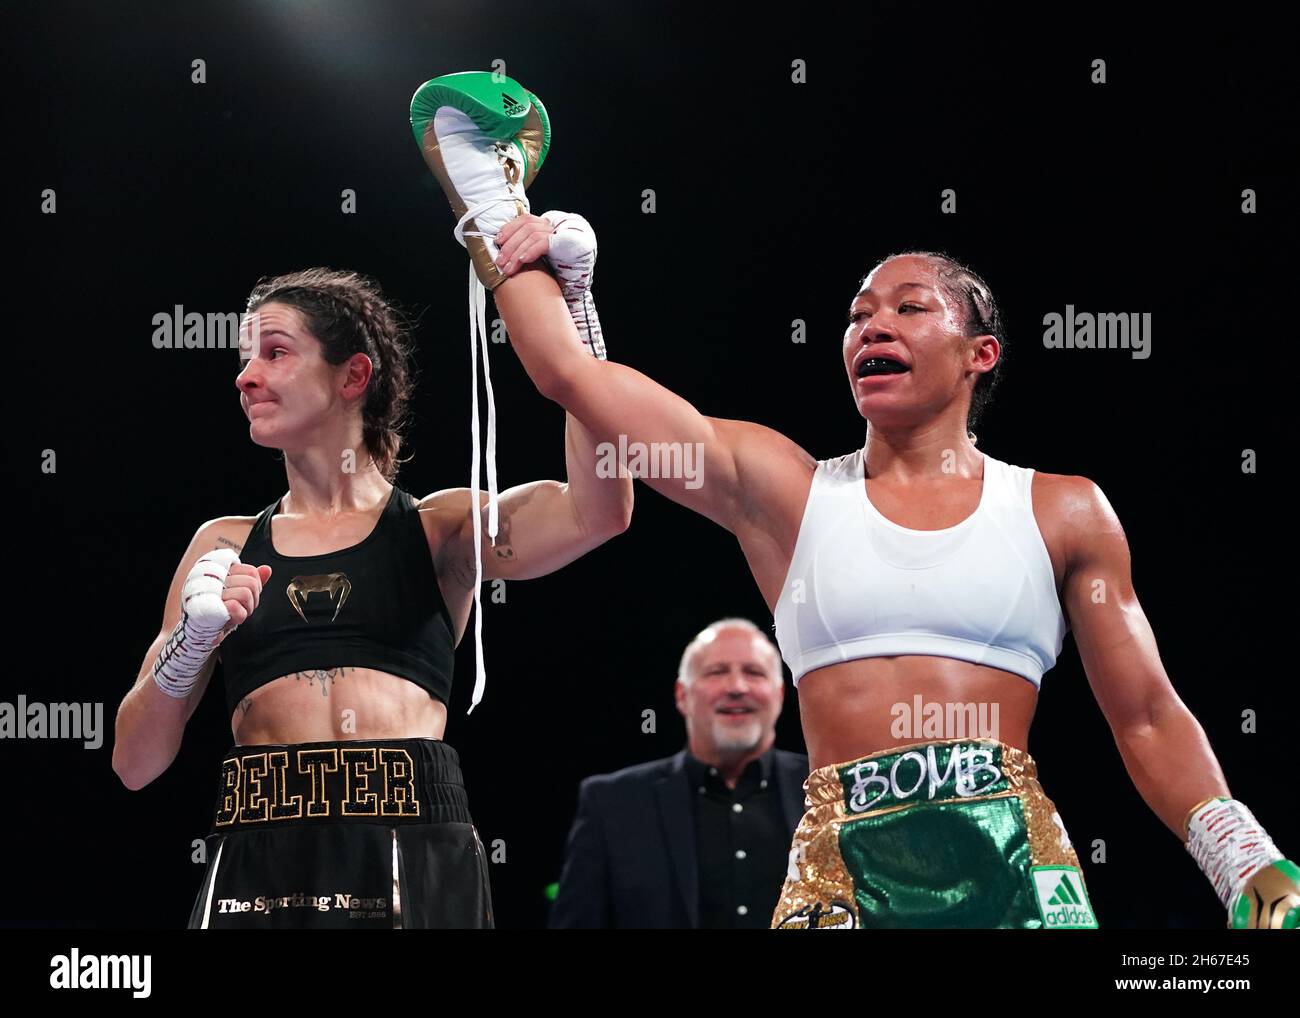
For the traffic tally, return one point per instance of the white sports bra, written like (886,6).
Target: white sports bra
(860,586)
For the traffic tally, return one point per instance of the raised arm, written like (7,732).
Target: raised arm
(542,525)
(749,479)
(729,471)
(484,158)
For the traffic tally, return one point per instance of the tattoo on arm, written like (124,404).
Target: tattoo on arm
(244,705)
(503,548)
(462,567)
(230,544)
(462,571)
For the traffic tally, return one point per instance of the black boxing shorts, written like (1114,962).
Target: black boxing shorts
(343,835)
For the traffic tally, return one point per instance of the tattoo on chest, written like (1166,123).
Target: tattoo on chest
(325,676)
(229,543)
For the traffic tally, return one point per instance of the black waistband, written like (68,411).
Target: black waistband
(383,781)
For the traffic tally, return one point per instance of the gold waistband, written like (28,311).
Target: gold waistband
(824,787)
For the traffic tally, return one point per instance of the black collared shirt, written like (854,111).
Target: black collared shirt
(741,844)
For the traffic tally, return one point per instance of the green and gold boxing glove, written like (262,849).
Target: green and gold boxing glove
(1260,889)
(485,137)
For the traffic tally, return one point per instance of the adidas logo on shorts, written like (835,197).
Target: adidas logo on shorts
(1062,900)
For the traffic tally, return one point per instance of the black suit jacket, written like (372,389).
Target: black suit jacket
(631,860)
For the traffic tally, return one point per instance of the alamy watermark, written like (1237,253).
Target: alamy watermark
(23,720)
(77,971)
(1083,330)
(179,329)
(943,720)
(678,460)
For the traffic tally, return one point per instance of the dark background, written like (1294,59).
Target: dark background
(773,200)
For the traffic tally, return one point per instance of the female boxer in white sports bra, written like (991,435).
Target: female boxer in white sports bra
(920,571)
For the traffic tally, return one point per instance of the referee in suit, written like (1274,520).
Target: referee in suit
(699,839)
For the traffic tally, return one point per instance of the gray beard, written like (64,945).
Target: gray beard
(731,738)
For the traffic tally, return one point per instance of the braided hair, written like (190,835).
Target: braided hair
(980,315)
(347,314)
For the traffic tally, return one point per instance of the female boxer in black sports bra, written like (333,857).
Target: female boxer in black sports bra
(336,612)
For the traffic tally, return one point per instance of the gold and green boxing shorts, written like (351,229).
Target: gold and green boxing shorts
(955,834)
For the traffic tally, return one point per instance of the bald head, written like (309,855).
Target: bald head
(760,648)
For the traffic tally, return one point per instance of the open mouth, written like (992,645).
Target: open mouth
(736,711)
(881,366)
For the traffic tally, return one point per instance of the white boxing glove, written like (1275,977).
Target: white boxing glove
(573,259)
(203,616)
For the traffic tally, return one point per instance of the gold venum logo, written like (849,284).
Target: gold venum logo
(336,585)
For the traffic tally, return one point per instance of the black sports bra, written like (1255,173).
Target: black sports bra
(374,605)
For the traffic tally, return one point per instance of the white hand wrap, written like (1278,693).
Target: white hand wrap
(573,257)
(203,616)
(1229,845)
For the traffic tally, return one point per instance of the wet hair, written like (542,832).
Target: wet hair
(686,670)
(347,314)
(979,316)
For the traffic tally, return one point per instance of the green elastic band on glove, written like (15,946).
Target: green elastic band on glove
(1239,917)
(1289,868)
(499,107)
